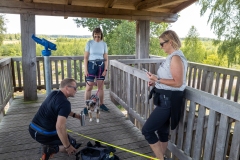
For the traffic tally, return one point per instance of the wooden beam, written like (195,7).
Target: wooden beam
(144,5)
(110,3)
(18,7)
(69,2)
(28,1)
(182,6)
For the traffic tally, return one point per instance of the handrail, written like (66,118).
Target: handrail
(208,121)
(6,86)
(61,67)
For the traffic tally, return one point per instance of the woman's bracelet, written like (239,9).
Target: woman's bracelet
(67,146)
(74,114)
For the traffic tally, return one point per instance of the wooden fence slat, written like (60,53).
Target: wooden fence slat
(234,151)
(223,85)
(181,125)
(194,77)
(69,68)
(56,71)
(237,89)
(210,135)
(230,85)
(190,76)
(217,84)
(221,138)
(189,132)
(62,69)
(199,78)
(199,133)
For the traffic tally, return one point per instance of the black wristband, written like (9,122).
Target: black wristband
(74,115)
(67,146)
(105,69)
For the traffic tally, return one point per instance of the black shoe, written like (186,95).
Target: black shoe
(48,151)
(104,108)
(85,111)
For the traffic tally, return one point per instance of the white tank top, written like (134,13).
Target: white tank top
(164,72)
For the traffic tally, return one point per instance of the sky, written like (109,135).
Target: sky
(52,25)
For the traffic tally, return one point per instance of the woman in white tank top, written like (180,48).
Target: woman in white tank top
(169,85)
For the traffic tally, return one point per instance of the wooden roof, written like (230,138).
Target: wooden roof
(153,10)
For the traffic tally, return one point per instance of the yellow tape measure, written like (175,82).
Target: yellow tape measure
(139,154)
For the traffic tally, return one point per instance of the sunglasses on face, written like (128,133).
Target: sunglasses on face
(97,36)
(75,88)
(161,44)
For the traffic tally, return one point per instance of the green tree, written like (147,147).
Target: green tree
(2,28)
(107,25)
(224,19)
(192,46)
(122,39)
(156,30)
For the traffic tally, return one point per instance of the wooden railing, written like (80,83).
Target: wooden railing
(6,86)
(209,125)
(61,67)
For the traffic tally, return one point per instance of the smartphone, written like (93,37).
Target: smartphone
(145,70)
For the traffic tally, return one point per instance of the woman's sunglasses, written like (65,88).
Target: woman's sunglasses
(161,44)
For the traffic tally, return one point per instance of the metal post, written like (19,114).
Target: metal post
(48,78)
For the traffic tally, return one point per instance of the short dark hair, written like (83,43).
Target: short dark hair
(67,81)
(97,30)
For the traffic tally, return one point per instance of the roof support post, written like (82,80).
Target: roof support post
(142,38)
(28,57)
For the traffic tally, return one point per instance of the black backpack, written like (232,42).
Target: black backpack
(97,152)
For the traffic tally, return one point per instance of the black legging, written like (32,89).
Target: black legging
(159,120)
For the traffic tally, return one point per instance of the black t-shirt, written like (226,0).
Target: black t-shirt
(55,104)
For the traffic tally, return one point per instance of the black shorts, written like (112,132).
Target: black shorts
(48,140)
(95,69)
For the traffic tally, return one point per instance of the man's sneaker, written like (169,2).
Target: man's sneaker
(104,108)
(85,111)
(48,151)
(90,120)
(97,120)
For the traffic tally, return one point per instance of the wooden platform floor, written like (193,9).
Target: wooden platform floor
(114,128)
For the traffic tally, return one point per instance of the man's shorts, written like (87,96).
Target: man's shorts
(95,69)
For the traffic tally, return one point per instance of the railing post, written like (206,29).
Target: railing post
(130,96)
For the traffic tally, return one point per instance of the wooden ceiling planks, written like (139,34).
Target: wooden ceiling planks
(153,10)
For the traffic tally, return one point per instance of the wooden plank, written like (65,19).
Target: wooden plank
(199,133)
(217,84)
(194,77)
(237,89)
(181,124)
(221,139)
(210,135)
(178,153)
(223,85)
(199,78)
(62,69)
(19,144)
(56,71)
(234,151)
(28,56)
(190,76)
(230,87)
(38,74)
(189,132)
(19,7)
(218,104)
(142,39)
(19,75)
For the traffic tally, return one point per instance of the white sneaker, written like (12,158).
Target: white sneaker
(97,120)
(90,120)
